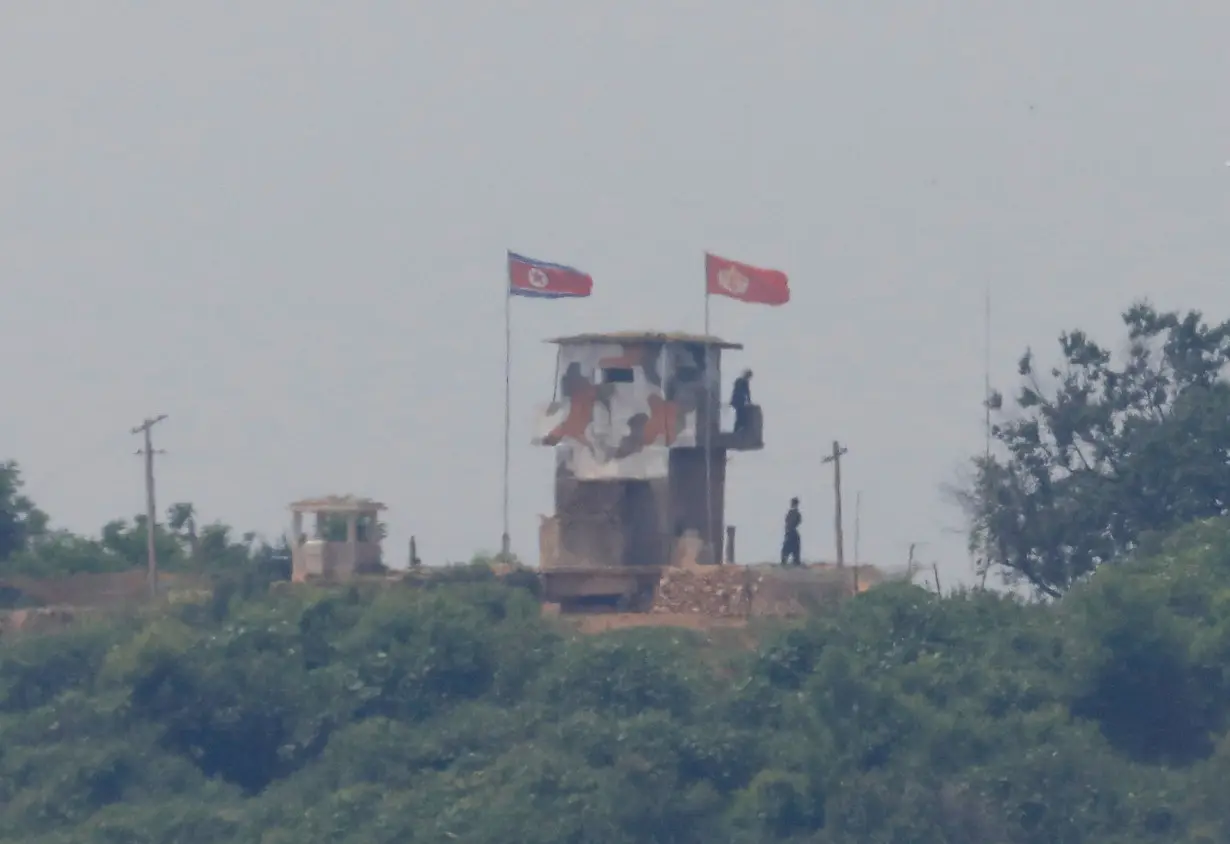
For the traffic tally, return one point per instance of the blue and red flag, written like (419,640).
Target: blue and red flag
(544,280)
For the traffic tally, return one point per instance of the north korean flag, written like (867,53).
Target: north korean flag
(724,277)
(544,280)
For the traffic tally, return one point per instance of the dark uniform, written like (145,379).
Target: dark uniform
(741,399)
(792,545)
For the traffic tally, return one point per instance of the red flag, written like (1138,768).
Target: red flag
(744,282)
(545,280)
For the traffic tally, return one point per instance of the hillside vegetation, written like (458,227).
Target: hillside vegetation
(455,713)
(447,709)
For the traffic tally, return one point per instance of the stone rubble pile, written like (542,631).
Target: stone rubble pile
(716,591)
(744,591)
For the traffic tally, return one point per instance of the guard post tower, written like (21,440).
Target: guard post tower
(345,540)
(640,447)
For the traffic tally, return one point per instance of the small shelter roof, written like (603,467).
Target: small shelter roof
(337,504)
(646,337)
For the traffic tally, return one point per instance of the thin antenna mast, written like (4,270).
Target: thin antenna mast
(986,403)
(858,521)
(986,370)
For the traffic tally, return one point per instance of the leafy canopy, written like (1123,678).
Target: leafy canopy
(20,521)
(449,709)
(1104,454)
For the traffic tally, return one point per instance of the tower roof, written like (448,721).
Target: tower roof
(646,337)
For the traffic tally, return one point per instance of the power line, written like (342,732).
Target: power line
(151,512)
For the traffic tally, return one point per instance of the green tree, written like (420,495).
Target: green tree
(1149,644)
(61,552)
(20,520)
(181,520)
(127,541)
(1106,454)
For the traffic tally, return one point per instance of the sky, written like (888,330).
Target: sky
(284,225)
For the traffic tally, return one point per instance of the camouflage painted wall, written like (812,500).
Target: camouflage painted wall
(620,408)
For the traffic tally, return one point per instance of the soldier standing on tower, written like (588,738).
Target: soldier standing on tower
(741,399)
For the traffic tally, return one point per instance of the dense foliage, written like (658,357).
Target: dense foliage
(121,545)
(449,710)
(31,548)
(20,520)
(1105,453)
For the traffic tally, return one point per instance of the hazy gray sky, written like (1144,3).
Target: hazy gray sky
(284,224)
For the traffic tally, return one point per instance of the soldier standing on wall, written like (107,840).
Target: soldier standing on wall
(792,545)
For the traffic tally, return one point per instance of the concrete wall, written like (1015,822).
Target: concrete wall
(106,590)
(609,523)
(689,505)
(633,523)
(548,542)
(331,560)
(588,515)
(791,591)
(647,523)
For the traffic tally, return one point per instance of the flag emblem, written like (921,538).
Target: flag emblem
(732,281)
(724,277)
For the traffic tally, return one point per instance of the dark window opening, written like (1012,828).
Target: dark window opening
(618,376)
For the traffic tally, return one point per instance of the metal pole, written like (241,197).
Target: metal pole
(986,379)
(841,545)
(710,421)
(986,401)
(151,516)
(505,541)
(858,515)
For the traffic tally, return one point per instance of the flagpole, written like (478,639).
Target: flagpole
(505,547)
(712,402)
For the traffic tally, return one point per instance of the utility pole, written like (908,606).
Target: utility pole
(911,564)
(835,459)
(151,513)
